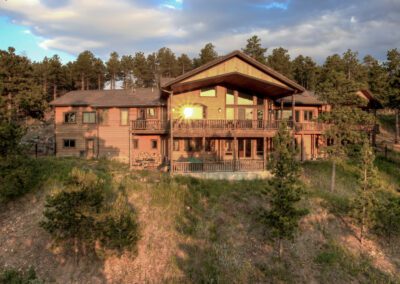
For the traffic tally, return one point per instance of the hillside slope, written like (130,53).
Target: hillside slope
(208,231)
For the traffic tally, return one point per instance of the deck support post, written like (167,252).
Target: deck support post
(235,153)
(265,151)
(171,133)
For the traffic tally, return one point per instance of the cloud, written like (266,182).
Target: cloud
(315,28)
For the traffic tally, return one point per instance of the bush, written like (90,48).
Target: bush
(12,276)
(78,215)
(387,216)
(18,175)
(119,229)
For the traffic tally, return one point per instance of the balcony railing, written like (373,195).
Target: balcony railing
(245,165)
(149,125)
(222,124)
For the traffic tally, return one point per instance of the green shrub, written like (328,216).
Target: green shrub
(119,229)
(18,175)
(79,215)
(387,215)
(12,276)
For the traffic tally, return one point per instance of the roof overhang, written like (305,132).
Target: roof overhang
(236,80)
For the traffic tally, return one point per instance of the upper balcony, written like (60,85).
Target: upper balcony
(221,127)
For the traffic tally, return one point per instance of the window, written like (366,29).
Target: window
(151,113)
(245,113)
(245,99)
(229,98)
(70,117)
(229,113)
(192,144)
(89,117)
(228,147)
(208,92)
(210,145)
(124,116)
(194,112)
(297,115)
(176,145)
(69,143)
(103,116)
(154,144)
(135,143)
(260,146)
(308,115)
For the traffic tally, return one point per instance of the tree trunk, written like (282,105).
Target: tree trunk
(54,91)
(280,248)
(397,127)
(333,177)
(9,106)
(45,85)
(98,82)
(87,84)
(82,82)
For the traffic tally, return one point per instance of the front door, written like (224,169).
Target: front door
(244,148)
(89,148)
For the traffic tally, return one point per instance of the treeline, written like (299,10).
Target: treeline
(26,87)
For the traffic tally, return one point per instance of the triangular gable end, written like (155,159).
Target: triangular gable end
(238,65)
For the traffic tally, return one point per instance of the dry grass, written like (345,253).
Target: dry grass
(205,231)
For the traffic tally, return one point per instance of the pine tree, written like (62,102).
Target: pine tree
(113,67)
(166,63)
(393,93)
(283,216)
(207,54)
(279,60)
(184,63)
(255,50)
(127,66)
(56,76)
(304,71)
(377,78)
(99,72)
(82,69)
(365,198)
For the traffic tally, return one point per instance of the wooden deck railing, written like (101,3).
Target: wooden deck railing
(246,165)
(222,124)
(225,124)
(153,124)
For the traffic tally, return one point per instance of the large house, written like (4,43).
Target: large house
(218,117)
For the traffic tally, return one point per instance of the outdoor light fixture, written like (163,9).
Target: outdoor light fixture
(187,112)
(220,109)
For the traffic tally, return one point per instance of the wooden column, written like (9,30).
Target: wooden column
(203,152)
(171,133)
(235,152)
(235,103)
(265,149)
(281,116)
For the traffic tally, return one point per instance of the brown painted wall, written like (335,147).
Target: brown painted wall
(111,140)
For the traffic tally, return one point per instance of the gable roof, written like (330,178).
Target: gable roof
(245,58)
(111,98)
(306,98)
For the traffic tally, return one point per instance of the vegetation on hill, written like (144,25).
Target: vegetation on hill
(212,231)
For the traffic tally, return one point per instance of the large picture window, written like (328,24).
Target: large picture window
(245,99)
(230,97)
(89,117)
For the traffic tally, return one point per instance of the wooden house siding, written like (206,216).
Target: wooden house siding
(235,64)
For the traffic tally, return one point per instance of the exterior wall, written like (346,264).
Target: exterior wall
(111,139)
(145,156)
(213,104)
(78,131)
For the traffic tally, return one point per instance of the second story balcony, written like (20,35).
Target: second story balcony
(220,127)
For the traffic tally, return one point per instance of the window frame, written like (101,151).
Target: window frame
(152,145)
(120,116)
(151,116)
(70,112)
(89,112)
(176,146)
(69,146)
(208,89)
(135,144)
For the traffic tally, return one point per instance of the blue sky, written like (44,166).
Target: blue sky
(41,28)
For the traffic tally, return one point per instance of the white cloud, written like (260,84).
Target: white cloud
(128,26)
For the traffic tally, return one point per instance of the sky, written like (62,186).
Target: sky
(316,28)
